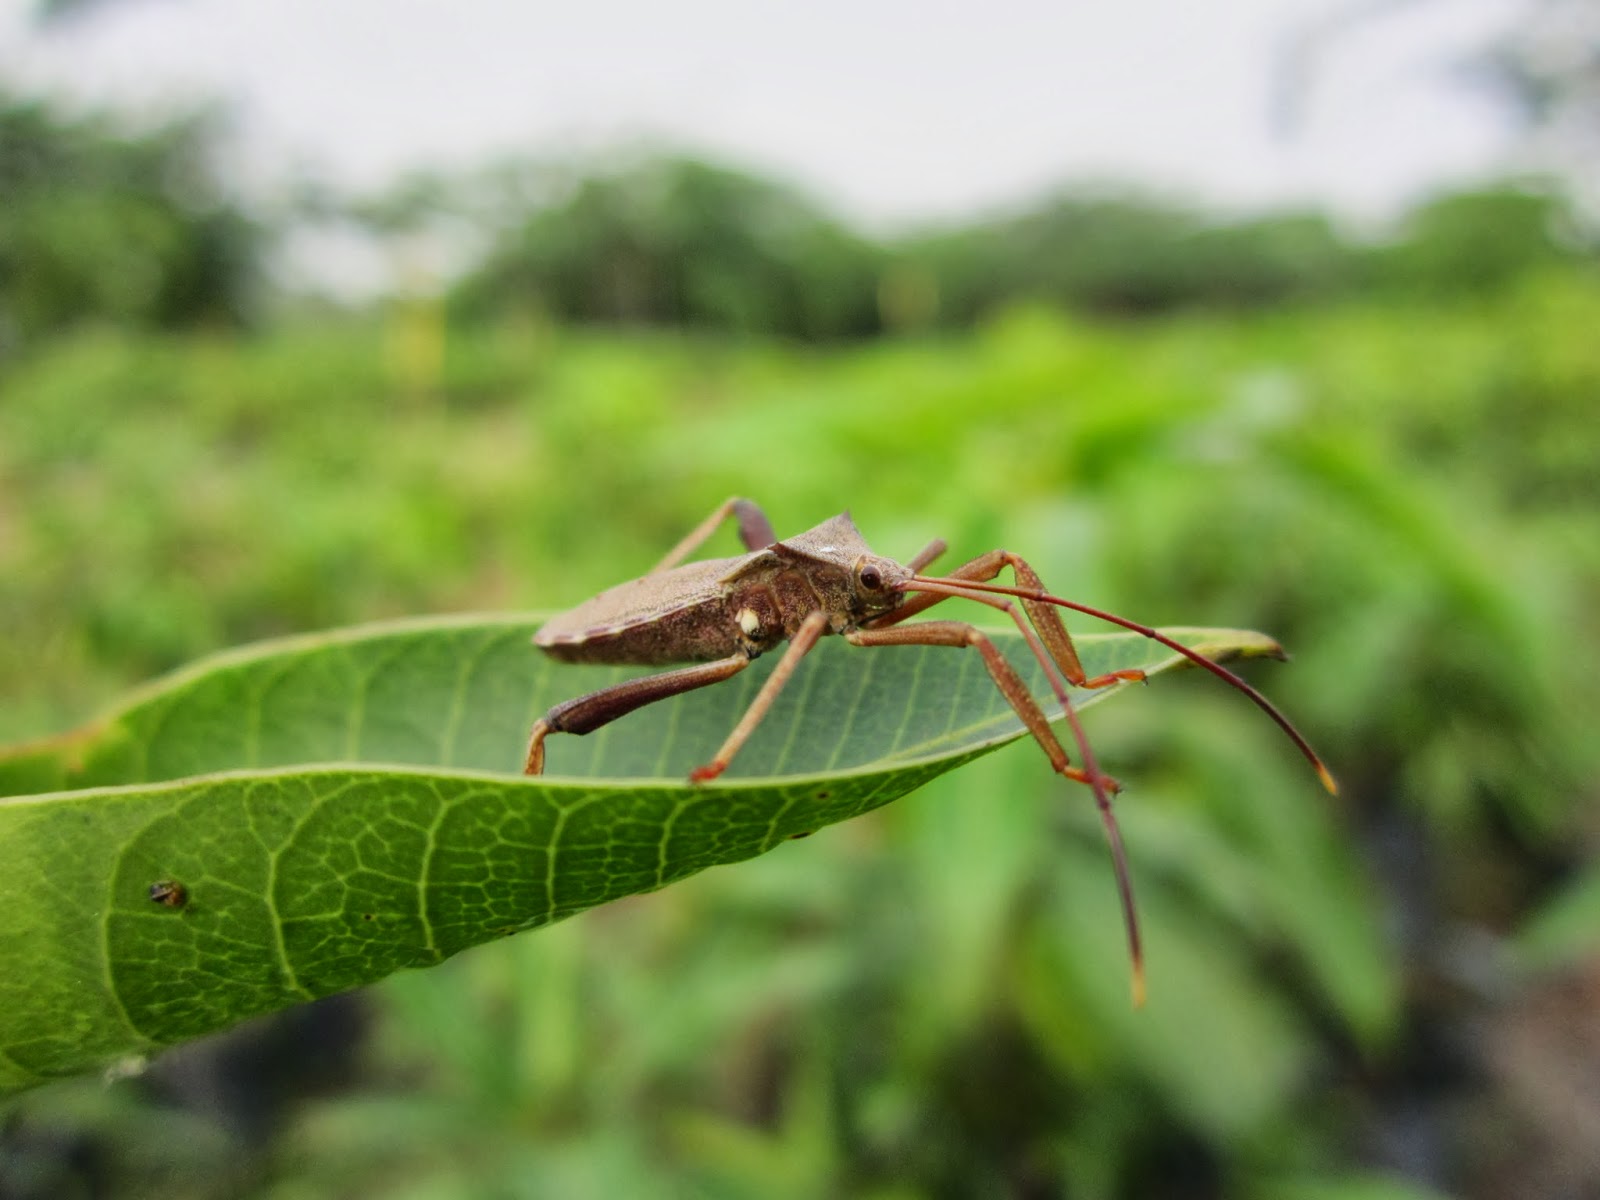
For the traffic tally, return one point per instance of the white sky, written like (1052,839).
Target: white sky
(896,108)
(891,111)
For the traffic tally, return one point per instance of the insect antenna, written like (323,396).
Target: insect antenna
(1096,779)
(1156,635)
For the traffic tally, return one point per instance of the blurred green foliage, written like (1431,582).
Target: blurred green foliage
(678,242)
(106,222)
(930,1001)
(681,242)
(1127,253)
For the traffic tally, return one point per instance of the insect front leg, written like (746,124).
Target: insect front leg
(799,646)
(587,713)
(755,531)
(1015,691)
(1044,617)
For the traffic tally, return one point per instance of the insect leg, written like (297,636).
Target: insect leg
(971,581)
(755,531)
(958,633)
(1015,691)
(799,646)
(587,713)
(927,554)
(1043,616)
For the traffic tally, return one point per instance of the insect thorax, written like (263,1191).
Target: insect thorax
(771,604)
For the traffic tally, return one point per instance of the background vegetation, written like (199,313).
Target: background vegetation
(1381,450)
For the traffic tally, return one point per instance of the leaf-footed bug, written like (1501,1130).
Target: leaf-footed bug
(720,614)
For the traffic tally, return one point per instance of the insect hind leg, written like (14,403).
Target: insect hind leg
(589,712)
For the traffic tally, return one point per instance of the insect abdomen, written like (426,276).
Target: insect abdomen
(693,633)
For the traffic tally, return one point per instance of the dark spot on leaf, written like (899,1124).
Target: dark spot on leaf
(169,893)
(795,837)
(823,795)
(368,917)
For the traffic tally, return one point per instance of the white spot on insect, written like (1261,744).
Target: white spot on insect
(827,549)
(749,622)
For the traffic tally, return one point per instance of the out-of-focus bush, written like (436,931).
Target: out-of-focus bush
(103,222)
(1474,242)
(678,242)
(1132,254)
(681,242)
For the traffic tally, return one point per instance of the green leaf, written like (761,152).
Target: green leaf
(1566,929)
(1216,1038)
(323,811)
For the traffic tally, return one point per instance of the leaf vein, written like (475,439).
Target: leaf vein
(458,697)
(797,719)
(863,680)
(251,751)
(425,876)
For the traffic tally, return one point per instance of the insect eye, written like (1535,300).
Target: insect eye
(871,579)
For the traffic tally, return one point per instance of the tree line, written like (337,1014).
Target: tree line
(106,223)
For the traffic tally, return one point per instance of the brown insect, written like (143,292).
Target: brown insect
(169,893)
(721,613)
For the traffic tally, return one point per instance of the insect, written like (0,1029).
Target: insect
(169,893)
(720,614)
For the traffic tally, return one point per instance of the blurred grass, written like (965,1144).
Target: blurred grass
(931,1001)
